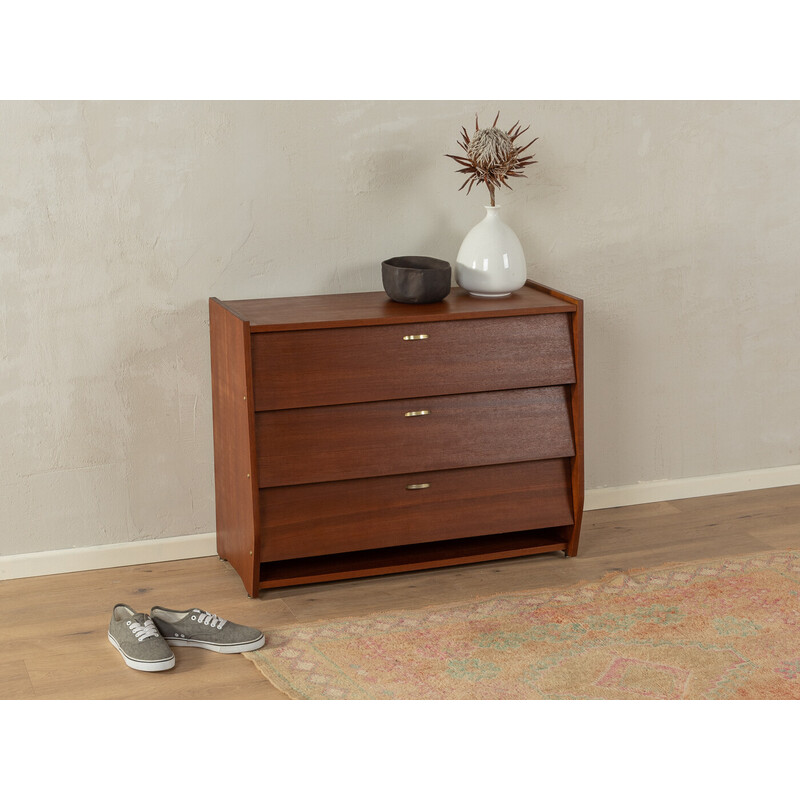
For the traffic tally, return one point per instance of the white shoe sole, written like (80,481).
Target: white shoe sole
(143,666)
(245,647)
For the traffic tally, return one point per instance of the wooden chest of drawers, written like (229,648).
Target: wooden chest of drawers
(357,436)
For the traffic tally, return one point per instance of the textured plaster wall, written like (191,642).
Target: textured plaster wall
(676,222)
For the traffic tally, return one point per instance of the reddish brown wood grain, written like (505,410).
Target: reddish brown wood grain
(576,415)
(375,308)
(236,488)
(340,516)
(363,440)
(428,555)
(358,364)
(306,396)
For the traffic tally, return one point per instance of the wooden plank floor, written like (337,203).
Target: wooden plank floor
(54,643)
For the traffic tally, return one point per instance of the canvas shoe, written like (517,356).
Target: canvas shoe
(138,640)
(197,628)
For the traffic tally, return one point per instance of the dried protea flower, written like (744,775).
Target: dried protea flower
(490,146)
(492,156)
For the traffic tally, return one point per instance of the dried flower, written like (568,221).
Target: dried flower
(491,156)
(490,146)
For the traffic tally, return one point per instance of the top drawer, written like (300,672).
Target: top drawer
(293,369)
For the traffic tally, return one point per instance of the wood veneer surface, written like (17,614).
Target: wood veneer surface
(362,440)
(317,432)
(234,451)
(576,405)
(425,555)
(375,308)
(349,365)
(341,516)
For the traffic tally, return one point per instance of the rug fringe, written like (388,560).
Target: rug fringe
(276,681)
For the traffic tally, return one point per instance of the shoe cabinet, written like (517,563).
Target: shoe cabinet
(357,436)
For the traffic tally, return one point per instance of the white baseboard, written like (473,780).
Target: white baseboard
(699,486)
(79,559)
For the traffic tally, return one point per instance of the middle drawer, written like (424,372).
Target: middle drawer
(359,440)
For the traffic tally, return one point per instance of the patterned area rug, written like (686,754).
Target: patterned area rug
(724,629)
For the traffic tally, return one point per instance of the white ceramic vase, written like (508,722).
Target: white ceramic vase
(490,262)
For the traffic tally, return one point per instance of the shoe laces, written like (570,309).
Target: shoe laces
(207,618)
(144,631)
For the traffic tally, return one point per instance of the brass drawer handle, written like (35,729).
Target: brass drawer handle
(415,337)
(422,413)
(418,486)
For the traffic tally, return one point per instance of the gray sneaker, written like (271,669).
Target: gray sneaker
(138,640)
(197,628)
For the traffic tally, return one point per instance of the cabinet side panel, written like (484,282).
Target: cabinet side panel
(576,404)
(576,413)
(234,458)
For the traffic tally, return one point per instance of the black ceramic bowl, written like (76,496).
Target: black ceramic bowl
(416,279)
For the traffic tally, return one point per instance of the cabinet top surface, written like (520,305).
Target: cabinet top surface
(375,308)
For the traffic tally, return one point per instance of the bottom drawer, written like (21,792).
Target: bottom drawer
(342,516)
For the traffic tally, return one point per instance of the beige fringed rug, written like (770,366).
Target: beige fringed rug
(723,629)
